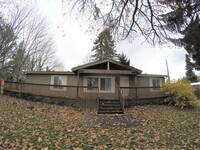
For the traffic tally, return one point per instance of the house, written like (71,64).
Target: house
(196,87)
(104,79)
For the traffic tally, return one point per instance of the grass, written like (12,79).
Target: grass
(48,126)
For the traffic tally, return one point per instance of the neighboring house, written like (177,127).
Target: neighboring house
(108,75)
(196,87)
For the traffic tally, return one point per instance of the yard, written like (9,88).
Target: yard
(34,125)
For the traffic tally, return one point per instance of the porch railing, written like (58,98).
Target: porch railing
(141,92)
(59,91)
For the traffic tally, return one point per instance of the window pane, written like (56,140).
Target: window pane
(58,81)
(108,84)
(102,86)
(55,80)
(92,82)
(105,84)
(156,83)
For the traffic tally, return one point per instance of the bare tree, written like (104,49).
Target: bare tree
(32,33)
(125,17)
(45,58)
(32,29)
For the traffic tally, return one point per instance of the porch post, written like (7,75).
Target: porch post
(108,65)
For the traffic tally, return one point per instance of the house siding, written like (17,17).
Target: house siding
(38,79)
(147,82)
(124,82)
(72,80)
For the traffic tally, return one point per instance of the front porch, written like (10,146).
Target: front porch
(77,95)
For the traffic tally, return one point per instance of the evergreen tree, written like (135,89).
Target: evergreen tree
(124,59)
(184,20)
(16,67)
(7,44)
(104,46)
(190,75)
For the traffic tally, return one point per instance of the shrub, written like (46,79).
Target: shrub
(180,94)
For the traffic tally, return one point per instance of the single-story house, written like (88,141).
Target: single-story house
(104,77)
(196,87)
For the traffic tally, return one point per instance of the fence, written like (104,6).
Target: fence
(61,91)
(141,92)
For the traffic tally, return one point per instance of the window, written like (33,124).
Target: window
(156,83)
(91,83)
(105,84)
(58,81)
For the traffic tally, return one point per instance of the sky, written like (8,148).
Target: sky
(74,44)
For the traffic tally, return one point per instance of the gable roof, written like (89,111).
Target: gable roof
(98,62)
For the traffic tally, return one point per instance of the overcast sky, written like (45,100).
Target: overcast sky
(74,44)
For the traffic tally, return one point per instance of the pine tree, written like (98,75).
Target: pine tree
(16,66)
(184,19)
(104,46)
(7,44)
(190,75)
(124,59)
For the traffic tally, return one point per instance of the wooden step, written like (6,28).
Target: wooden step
(110,112)
(109,106)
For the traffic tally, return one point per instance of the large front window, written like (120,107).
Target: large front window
(91,83)
(105,84)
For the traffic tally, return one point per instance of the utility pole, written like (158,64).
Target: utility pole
(167,71)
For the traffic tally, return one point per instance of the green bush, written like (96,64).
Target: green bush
(180,94)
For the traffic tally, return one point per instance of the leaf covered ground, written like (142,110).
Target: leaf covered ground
(34,125)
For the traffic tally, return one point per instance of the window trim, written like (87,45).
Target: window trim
(105,84)
(88,87)
(53,87)
(99,83)
(151,84)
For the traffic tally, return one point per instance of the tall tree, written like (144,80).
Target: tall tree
(33,35)
(16,67)
(184,21)
(125,17)
(158,21)
(7,43)
(190,75)
(104,46)
(124,59)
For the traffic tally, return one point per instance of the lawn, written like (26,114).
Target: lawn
(34,125)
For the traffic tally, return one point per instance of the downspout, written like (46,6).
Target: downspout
(136,86)
(78,79)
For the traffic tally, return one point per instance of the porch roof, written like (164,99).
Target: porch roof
(115,67)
